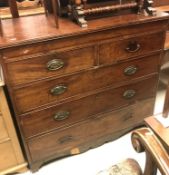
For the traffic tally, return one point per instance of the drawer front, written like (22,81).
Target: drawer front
(113,51)
(3,130)
(58,89)
(7,158)
(54,64)
(73,112)
(89,132)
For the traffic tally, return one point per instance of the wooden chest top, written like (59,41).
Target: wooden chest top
(28,30)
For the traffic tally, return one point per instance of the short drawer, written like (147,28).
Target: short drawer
(113,51)
(7,158)
(56,90)
(3,130)
(69,113)
(53,64)
(89,133)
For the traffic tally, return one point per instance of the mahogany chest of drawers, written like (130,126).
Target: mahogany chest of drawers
(73,89)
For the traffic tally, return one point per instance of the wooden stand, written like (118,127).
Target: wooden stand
(79,10)
(1,31)
(13,8)
(51,7)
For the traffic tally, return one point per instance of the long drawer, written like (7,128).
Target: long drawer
(69,113)
(62,143)
(45,92)
(113,51)
(52,64)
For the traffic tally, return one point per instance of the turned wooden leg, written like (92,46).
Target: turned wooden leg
(13,8)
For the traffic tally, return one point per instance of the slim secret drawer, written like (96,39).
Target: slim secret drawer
(64,83)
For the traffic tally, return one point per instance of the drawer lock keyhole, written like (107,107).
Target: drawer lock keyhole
(133,46)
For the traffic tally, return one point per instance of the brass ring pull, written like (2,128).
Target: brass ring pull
(133,47)
(128,94)
(61,115)
(60,89)
(131,70)
(55,64)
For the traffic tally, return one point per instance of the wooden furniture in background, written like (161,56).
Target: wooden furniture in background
(161,131)
(1,30)
(11,159)
(13,8)
(165,9)
(51,9)
(157,157)
(161,2)
(82,10)
(75,88)
(166,103)
(166,59)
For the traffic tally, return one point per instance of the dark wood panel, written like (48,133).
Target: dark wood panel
(113,51)
(39,94)
(88,133)
(28,70)
(43,121)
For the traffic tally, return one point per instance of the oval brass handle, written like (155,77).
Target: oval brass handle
(131,70)
(128,94)
(133,46)
(55,64)
(61,115)
(60,89)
